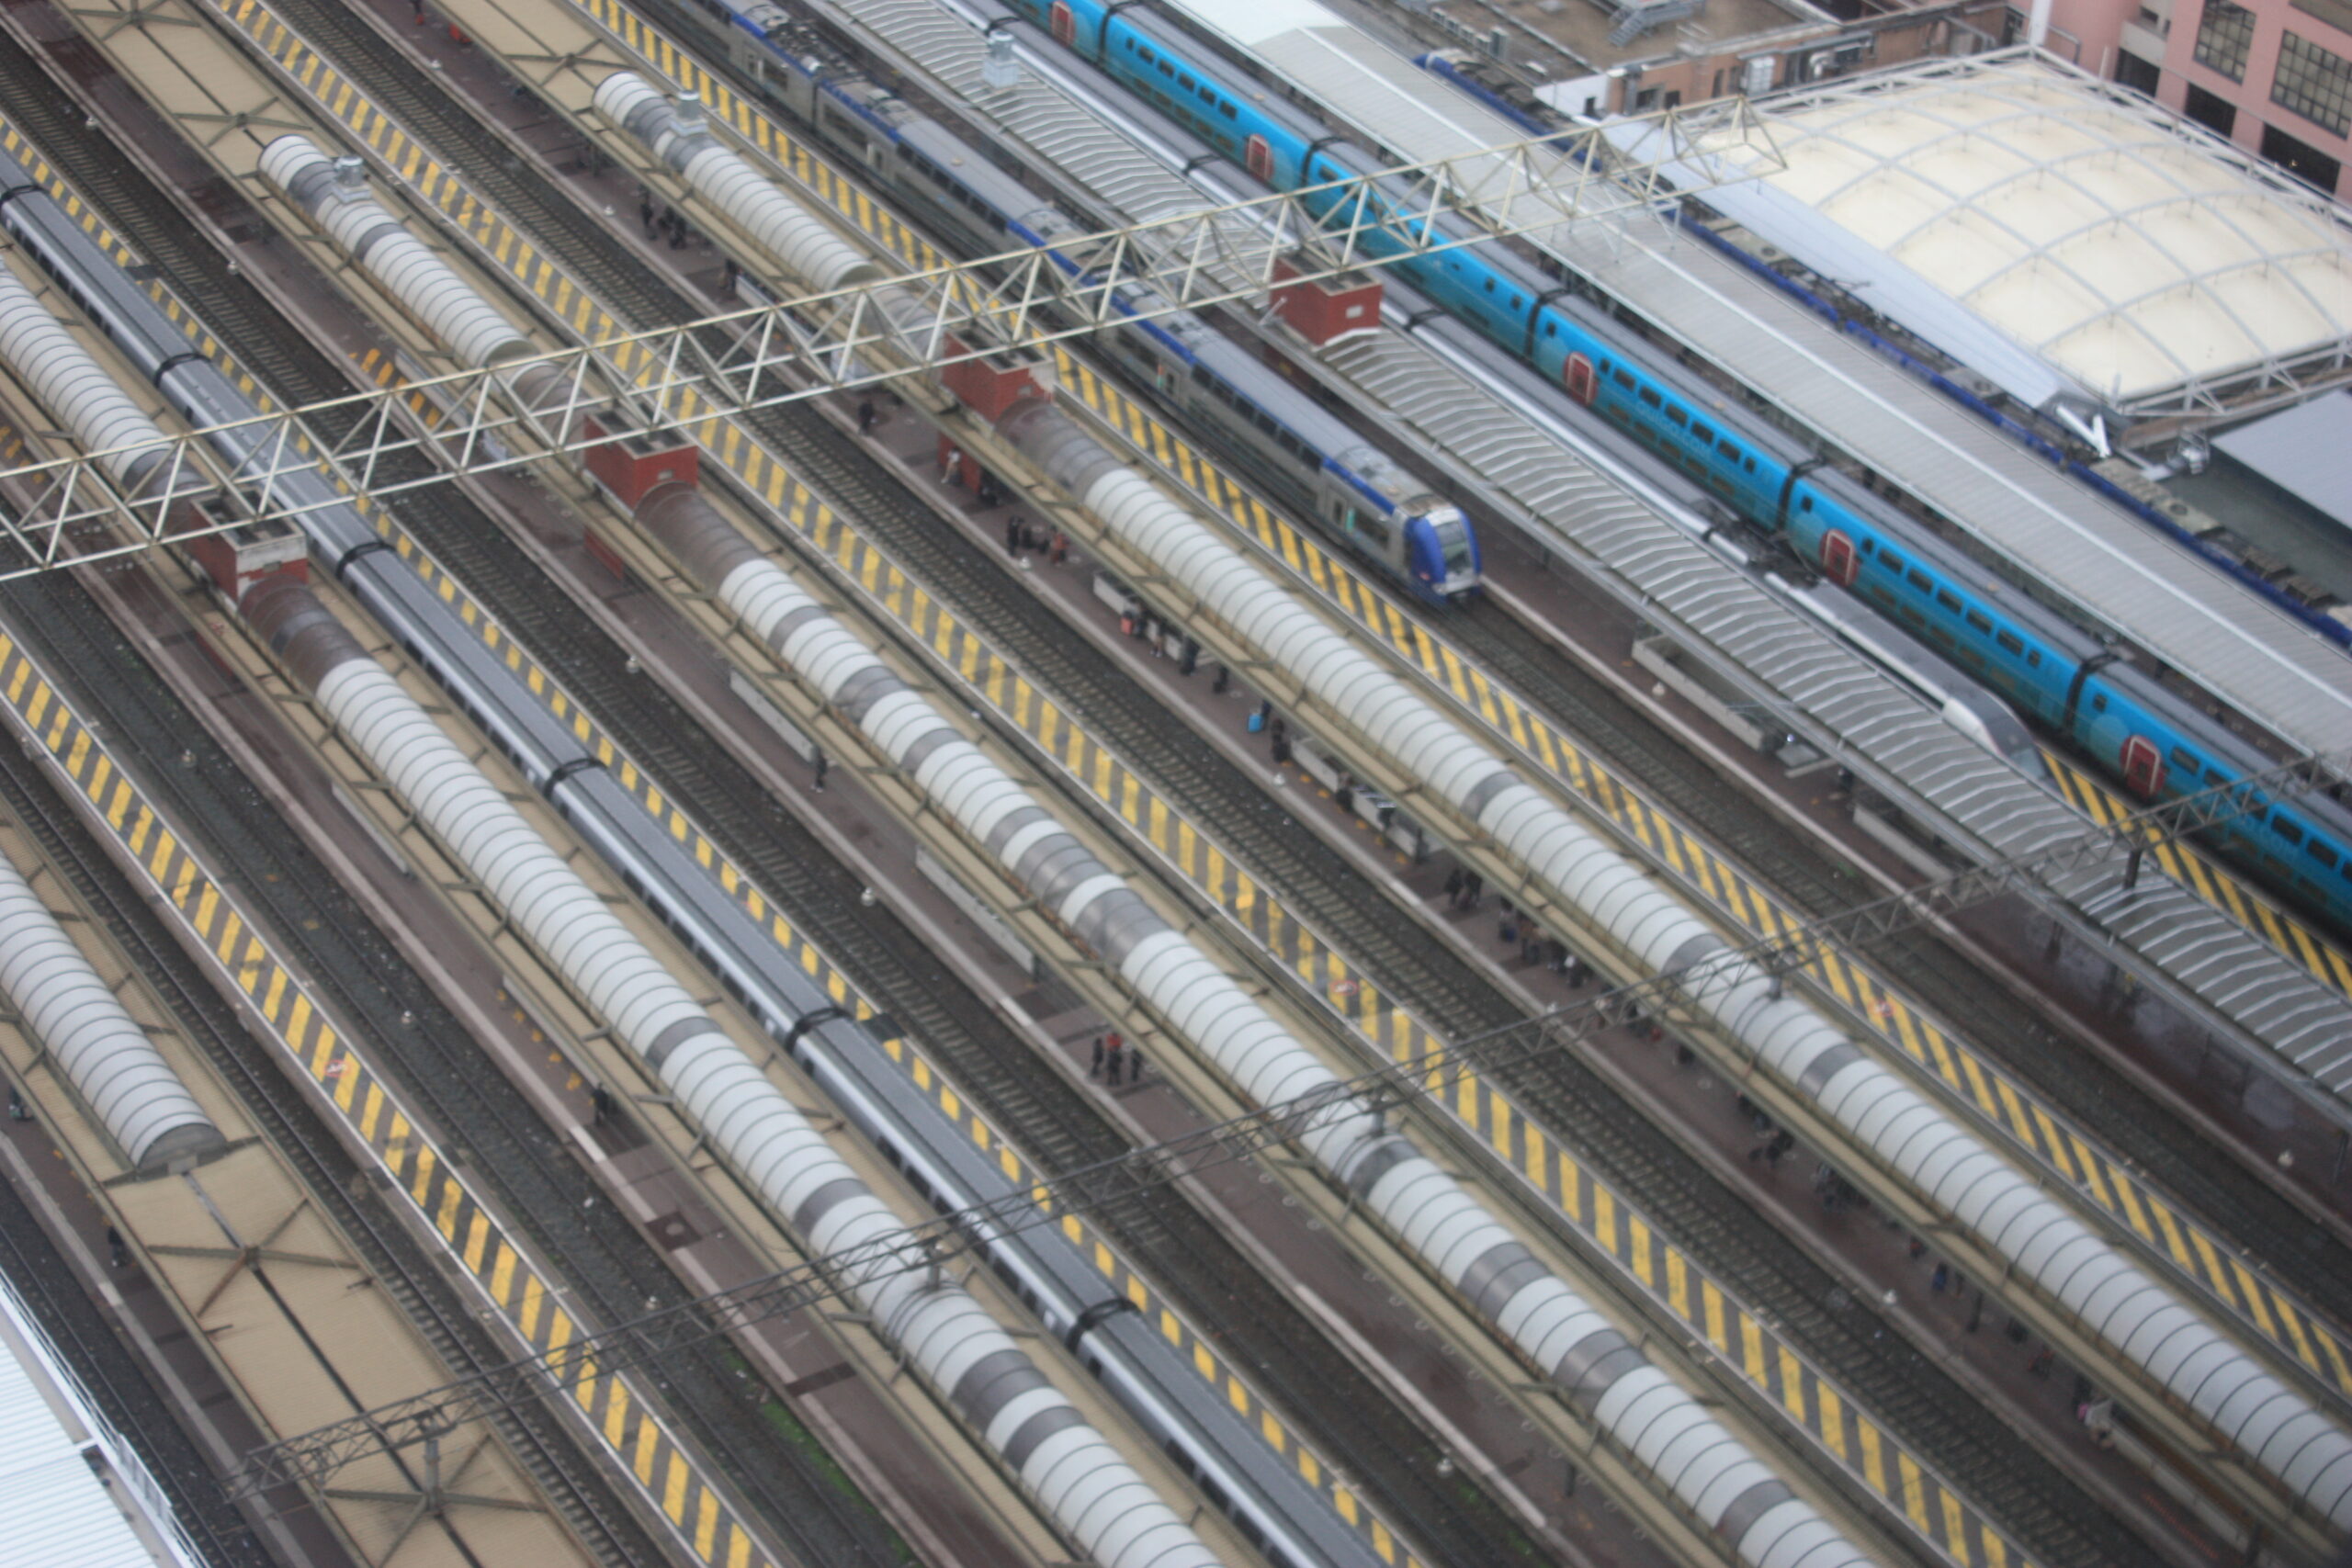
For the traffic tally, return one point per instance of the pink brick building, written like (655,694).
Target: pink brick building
(2275,76)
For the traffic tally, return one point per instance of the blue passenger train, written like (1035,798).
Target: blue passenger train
(1306,457)
(2157,744)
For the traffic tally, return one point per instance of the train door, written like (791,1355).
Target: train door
(1838,562)
(1583,385)
(1260,157)
(1065,25)
(2144,767)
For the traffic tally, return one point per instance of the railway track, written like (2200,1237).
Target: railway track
(149,722)
(502,1143)
(1974,1450)
(767,1454)
(1906,1389)
(2178,1158)
(1346,1417)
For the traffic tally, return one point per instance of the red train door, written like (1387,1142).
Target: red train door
(2144,767)
(1260,157)
(1838,562)
(1583,385)
(1065,25)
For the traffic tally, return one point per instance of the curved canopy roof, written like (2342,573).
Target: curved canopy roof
(2139,262)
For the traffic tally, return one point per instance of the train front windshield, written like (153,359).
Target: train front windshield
(1452,546)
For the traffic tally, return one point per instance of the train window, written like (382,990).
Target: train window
(1166,69)
(2009,641)
(2286,829)
(1551,329)
(2033,657)
(1208,94)
(2098,702)
(1947,598)
(2182,757)
(1185,82)
(1749,463)
(1622,377)
(1228,111)
(2320,853)
(1147,56)
(1677,415)
(1702,435)
(1728,450)
(1649,396)
(1979,621)
(1804,503)
(1491,286)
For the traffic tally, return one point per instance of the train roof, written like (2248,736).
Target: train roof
(1363,81)
(2070,240)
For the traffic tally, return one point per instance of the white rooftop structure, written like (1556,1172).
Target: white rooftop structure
(71,1490)
(2079,245)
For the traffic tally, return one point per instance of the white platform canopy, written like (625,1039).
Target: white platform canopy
(68,1487)
(2082,247)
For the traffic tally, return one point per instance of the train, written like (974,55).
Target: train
(1265,1497)
(2157,745)
(1562,863)
(1306,457)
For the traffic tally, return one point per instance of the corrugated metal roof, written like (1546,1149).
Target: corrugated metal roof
(2245,651)
(2305,451)
(54,1510)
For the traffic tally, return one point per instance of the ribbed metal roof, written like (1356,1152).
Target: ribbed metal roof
(1825,688)
(2305,451)
(2113,569)
(56,1508)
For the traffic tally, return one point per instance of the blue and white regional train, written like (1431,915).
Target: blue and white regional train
(1310,461)
(2156,744)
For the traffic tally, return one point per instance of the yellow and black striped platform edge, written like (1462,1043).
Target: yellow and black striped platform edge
(805,954)
(1002,688)
(2210,881)
(639,1441)
(1198,474)
(1602,1213)
(2207,1260)
(2030,1124)
(880,578)
(383,367)
(1122,1279)
(773,480)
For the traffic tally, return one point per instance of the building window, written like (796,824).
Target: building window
(2335,12)
(2136,73)
(2211,110)
(2224,36)
(2300,158)
(2314,81)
